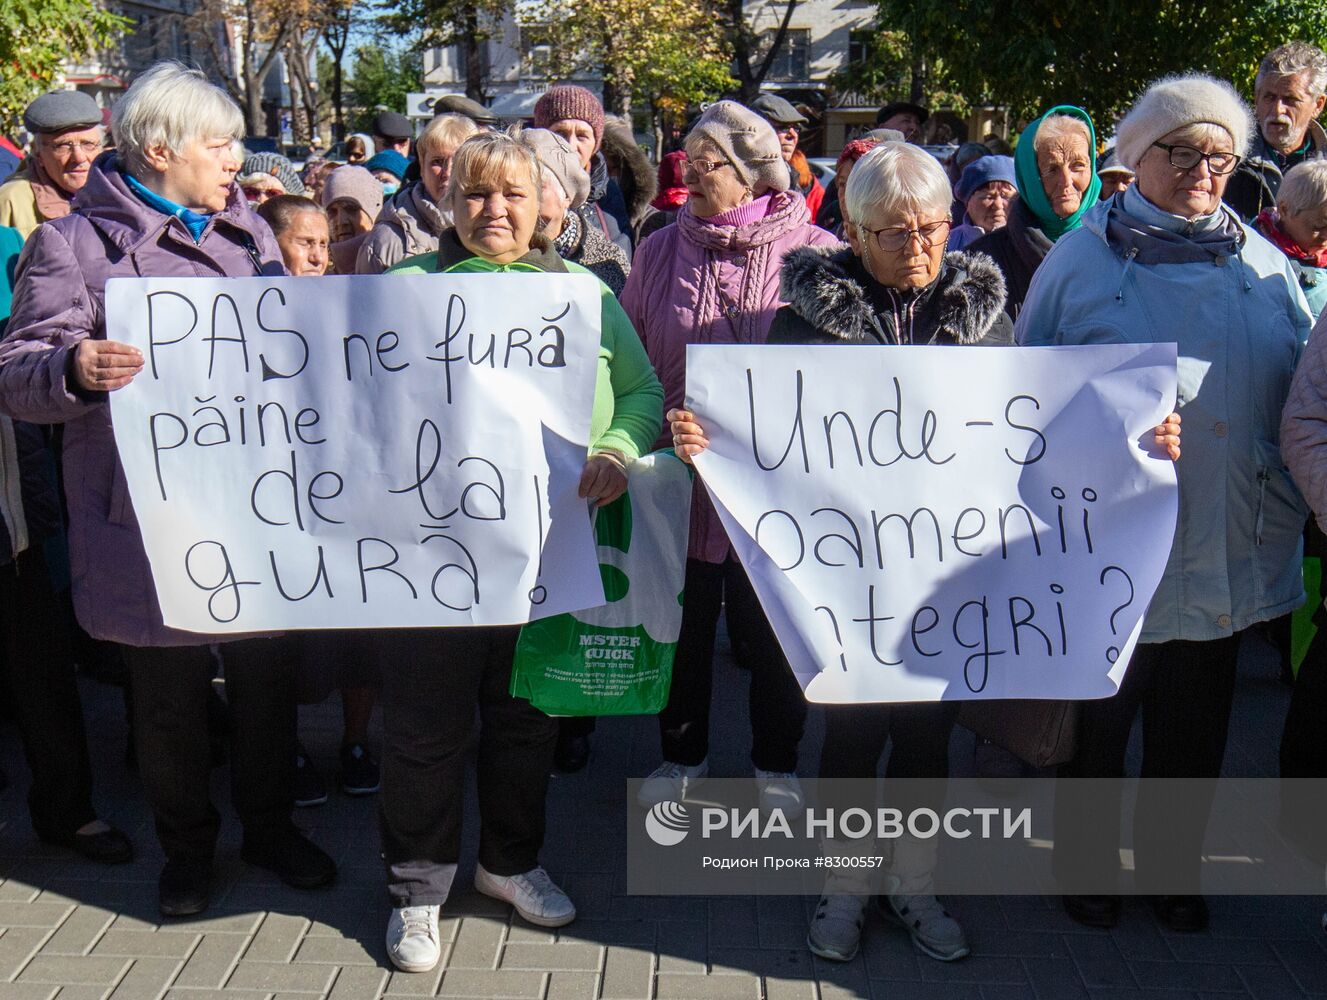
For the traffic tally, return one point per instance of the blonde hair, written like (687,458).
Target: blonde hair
(171,105)
(444,131)
(489,158)
(1304,188)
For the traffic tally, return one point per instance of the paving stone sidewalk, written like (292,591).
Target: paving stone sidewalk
(76,931)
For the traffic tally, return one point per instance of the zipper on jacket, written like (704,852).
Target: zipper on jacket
(1124,276)
(1263,477)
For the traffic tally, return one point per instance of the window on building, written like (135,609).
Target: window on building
(861,44)
(536,50)
(793,60)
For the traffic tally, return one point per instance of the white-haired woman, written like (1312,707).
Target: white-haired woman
(1165,260)
(412,220)
(1298,228)
(164,203)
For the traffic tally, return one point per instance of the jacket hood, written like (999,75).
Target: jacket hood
(127,221)
(824,286)
(638,180)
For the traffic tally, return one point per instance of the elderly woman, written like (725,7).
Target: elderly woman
(353,200)
(1165,260)
(413,218)
(1055,173)
(831,210)
(163,204)
(576,114)
(300,228)
(713,278)
(268,175)
(566,186)
(1298,228)
(431,693)
(985,190)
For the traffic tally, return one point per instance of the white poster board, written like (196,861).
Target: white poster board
(360,452)
(940,523)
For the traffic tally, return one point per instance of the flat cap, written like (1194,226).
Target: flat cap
(393,125)
(898,107)
(60,110)
(777,111)
(459,104)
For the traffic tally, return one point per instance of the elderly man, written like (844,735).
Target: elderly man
(392,130)
(787,123)
(66,138)
(904,116)
(1288,97)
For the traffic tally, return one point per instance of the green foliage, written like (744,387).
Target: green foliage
(383,76)
(37,37)
(1030,54)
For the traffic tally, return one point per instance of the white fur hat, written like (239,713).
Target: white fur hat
(1176,101)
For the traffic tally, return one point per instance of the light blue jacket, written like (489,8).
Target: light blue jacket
(1240,323)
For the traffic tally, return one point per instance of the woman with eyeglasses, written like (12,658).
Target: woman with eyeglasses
(1055,174)
(712,277)
(1164,260)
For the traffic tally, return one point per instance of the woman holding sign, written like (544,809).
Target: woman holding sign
(163,204)
(430,695)
(893,284)
(1165,260)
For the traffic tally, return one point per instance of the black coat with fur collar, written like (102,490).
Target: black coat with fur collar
(830,301)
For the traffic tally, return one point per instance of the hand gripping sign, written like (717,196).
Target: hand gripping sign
(940,523)
(360,452)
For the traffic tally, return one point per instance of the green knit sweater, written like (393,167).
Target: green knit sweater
(628,399)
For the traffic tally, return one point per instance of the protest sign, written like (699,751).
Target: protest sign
(930,523)
(360,452)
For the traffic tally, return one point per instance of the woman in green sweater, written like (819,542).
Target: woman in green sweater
(430,696)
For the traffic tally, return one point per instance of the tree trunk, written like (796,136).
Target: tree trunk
(474,55)
(337,38)
(917,91)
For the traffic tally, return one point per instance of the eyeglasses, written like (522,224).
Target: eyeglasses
(262,194)
(896,238)
(792,127)
(1186,158)
(702,167)
(66,148)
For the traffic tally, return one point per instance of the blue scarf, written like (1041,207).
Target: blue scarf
(195,222)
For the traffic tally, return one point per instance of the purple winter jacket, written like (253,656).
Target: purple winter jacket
(695,282)
(59,299)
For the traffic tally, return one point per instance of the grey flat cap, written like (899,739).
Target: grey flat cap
(60,110)
(393,125)
(775,110)
(459,104)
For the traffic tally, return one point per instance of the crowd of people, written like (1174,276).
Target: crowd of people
(1204,224)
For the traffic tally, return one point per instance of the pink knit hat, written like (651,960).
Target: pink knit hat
(567,100)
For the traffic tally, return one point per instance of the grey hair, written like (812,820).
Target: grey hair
(1304,188)
(1061,127)
(897,177)
(1294,58)
(444,130)
(171,105)
(1196,132)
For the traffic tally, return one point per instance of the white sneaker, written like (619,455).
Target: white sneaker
(671,782)
(412,938)
(780,790)
(933,931)
(532,894)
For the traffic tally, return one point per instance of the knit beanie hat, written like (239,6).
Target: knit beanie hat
(565,101)
(983,171)
(389,160)
(274,165)
(357,185)
(746,141)
(1176,101)
(559,159)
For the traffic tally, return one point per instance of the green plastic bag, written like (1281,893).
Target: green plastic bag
(618,659)
(1303,625)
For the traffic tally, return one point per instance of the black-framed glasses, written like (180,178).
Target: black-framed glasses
(895,238)
(1186,158)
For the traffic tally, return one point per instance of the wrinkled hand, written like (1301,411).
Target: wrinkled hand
(603,479)
(689,438)
(103,365)
(1166,436)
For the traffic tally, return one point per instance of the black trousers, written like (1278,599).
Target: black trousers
(170,689)
(39,669)
(777,707)
(429,699)
(1185,691)
(855,739)
(1304,753)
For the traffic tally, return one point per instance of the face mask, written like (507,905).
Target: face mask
(390,189)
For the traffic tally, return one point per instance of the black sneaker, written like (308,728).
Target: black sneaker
(185,888)
(359,771)
(310,789)
(292,857)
